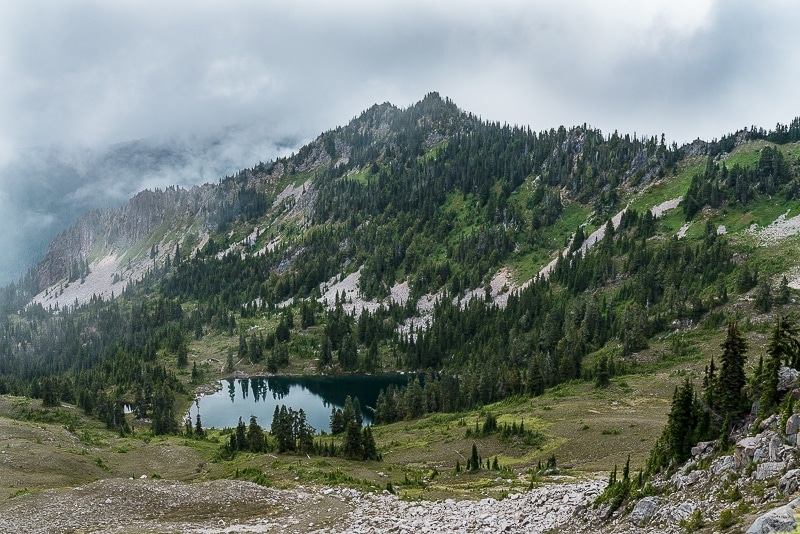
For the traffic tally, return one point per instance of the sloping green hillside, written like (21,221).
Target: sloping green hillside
(413,239)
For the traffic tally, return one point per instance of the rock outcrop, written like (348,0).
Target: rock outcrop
(781,519)
(762,471)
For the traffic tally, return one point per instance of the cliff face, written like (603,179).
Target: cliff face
(115,231)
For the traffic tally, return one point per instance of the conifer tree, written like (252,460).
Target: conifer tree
(370,452)
(187,425)
(349,411)
(357,415)
(731,375)
(255,436)
(763,296)
(183,355)
(783,348)
(198,428)
(603,378)
(241,435)
(474,462)
(325,353)
(49,392)
(710,384)
(337,421)
(682,421)
(352,447)
(634,336)
(305,433)
(677,438)
(163,419)
(784,294)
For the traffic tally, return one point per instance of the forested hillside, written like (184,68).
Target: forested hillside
(425,208)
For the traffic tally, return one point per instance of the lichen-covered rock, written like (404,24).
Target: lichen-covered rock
(702,448)
(683,512)
(786,378)
(792,424)
(778,520)
(768,470)
(644,510)
(745,451)
(789,482)
(775,449)
(769,422)
(722,464)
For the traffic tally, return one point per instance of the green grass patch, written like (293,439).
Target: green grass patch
(671,187)
(21,492)
(254,475)
(363,177)
(433,153)
(746,155)
(534,256)
(791,151)
(762,213)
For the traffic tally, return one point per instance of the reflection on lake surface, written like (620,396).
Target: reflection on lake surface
(317,396)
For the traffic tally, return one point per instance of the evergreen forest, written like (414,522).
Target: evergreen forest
(491,262)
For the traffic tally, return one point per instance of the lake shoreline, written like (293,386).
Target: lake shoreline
(220,405)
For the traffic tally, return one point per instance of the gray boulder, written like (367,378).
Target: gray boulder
(745,451)
(769,422)
(702,448)
(644,510)
(775,449)
(793,424)
(789,482)
(683,512)
(786,378)
(722,464)
(778,520)
(767,470)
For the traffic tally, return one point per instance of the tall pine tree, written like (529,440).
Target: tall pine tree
(731,378)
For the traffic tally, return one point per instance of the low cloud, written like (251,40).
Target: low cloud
(47,189)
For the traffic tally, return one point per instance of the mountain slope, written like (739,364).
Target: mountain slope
(396,233)
(506,268)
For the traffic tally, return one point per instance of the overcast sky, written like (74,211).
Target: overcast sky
(92,74)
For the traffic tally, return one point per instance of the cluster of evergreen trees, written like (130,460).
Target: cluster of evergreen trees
(99,356)
(720,185)
(506,432)
(248,438)
(711,412)
(485,353)
(291,430)
(358,443)
(291,433)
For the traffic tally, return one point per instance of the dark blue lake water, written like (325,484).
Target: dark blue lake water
(317,396)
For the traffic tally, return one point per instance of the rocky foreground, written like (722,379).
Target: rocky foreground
(229,506)
(139,506)
(750,488)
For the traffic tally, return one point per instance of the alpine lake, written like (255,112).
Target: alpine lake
(317,396)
